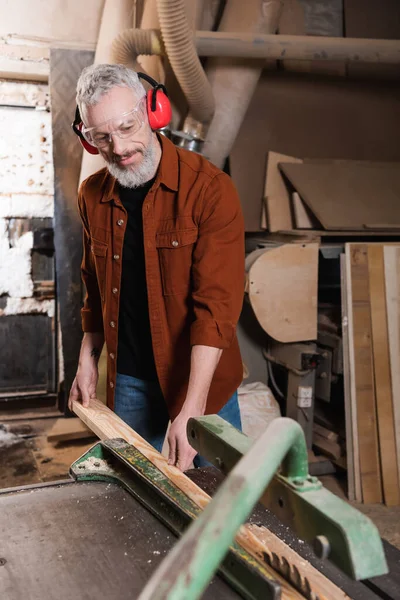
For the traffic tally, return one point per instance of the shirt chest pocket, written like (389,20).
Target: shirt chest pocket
(99,251)
(175,250)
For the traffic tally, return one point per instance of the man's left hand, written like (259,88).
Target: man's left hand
(181,454)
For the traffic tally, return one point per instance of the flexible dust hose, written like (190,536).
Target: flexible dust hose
(178,39)
(234,81)
(131,43)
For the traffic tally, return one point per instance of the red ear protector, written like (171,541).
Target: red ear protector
(158,106)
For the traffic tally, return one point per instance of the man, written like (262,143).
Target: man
(163,267)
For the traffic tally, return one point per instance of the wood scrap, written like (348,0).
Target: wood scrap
(383,389)
(107,425)
(362,376)
(392,282)
(65,430)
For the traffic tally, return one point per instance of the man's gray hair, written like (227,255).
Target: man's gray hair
(97,80)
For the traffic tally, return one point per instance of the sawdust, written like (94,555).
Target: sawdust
(96,464)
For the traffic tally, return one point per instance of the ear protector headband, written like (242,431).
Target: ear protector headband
(158,106)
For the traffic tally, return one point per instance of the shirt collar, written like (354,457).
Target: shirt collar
(167,171)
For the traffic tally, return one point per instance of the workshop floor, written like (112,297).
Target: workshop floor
(27,457)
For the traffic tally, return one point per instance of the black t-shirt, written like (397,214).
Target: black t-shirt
(135,352)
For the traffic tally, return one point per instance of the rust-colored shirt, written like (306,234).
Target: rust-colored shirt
(194,257)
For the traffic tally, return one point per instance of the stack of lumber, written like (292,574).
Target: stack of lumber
(371,339)
(330,196)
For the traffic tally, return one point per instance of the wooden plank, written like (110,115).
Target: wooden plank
(383,384)
(352,456)
(363,388)
(392,281)
(276,193)
(348,195)
(107,425)
(65,430)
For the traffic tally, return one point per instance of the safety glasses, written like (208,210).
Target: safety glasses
(125,126)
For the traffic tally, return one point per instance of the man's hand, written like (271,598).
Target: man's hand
(84,385)
(87,376)
(181,454)
(204,360)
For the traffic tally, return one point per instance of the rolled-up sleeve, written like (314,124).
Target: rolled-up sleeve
(91,314)
(218,266)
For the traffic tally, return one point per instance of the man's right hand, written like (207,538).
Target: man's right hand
(84,385)
(87,376)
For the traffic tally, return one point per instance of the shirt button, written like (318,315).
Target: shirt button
(114,290)
(112,324)
(175,243)
(111,384)
(116,256)
(112,355)
(120,222)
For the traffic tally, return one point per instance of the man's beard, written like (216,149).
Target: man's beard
(134,176)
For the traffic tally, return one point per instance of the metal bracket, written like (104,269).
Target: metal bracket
(350,539)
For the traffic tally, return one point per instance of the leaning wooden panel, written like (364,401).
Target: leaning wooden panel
(277,197)
(352,462)
(392,282)
(107,425)
(371,484)
(383,385)
(282,288)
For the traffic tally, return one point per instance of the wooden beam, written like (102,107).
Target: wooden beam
(383,387)
(352,455)
(107,425)
(392,282)
(362,374)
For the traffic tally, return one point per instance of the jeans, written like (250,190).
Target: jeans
(141,405)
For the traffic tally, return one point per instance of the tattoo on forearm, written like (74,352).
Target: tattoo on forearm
(95,353)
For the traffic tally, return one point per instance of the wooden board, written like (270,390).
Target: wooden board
(349,195)
(282,288)
(363,391)
(107,425)
(65,430)
(350,407)
(392,281)
(383,387)
(276,194)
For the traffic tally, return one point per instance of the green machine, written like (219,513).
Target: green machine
(348,548)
